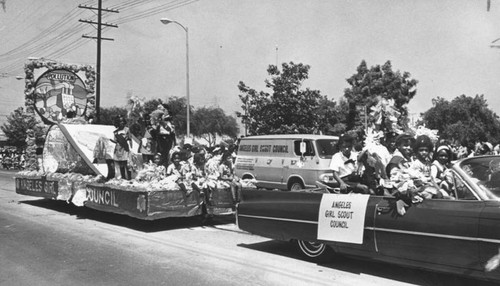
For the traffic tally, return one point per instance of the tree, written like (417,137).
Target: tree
(17,125)
(465,120)
(288,109)
(177,107)
(208,122)
(332,116)
(108,115)
(366,85)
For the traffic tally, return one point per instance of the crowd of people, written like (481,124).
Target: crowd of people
(402,165)
(12,159)
(195,167)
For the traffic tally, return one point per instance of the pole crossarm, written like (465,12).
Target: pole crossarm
(102,24)
(102,9)
(95,38)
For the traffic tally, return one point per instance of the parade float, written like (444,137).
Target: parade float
(73,165)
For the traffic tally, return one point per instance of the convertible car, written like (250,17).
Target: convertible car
(459,235)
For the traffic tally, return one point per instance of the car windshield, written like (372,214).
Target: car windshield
(326,148)
(485,171)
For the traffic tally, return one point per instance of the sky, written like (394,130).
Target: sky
(445,45)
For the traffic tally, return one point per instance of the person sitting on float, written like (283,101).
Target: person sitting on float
(226,173)
(344,165)
(179,169)
(198,174)
(187,150)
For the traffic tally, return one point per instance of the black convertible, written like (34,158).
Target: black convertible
(460,235)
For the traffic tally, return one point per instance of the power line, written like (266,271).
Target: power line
(63,42)
(33,42)
(153,11)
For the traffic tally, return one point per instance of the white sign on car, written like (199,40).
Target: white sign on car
(342,217)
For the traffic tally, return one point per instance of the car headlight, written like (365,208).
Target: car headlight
(326,177)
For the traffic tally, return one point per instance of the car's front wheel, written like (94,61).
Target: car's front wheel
(296,185)
(315,251)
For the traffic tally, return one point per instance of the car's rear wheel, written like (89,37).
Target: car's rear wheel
(315,251)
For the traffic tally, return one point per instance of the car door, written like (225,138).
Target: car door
(489,239)
(437,232)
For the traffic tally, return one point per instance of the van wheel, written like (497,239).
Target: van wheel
(314,251)
(296,185)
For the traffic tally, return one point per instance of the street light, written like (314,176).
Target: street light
(167,21)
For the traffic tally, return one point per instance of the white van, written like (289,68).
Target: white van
(287,162)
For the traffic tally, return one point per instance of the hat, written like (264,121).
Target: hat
(403,137)
(488,145)
(346,138)
(423,141)
(443,147)
(188,141)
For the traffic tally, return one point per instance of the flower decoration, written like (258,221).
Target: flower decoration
(378,155)
(422,130)
(385,116)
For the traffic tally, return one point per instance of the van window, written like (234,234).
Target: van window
(326,148)
(309,148)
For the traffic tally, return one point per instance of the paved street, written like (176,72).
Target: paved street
(46,242)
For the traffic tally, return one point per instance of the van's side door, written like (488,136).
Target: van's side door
(270,163)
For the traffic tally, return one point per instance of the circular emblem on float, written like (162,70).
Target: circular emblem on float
(59,95)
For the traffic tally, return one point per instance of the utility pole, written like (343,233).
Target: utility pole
(99,38)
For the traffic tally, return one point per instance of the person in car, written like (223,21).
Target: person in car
(440,166)
(398,170)
(390,142)
(485,149)
(422,178)
(402,156)
(344,165)
(422,150)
